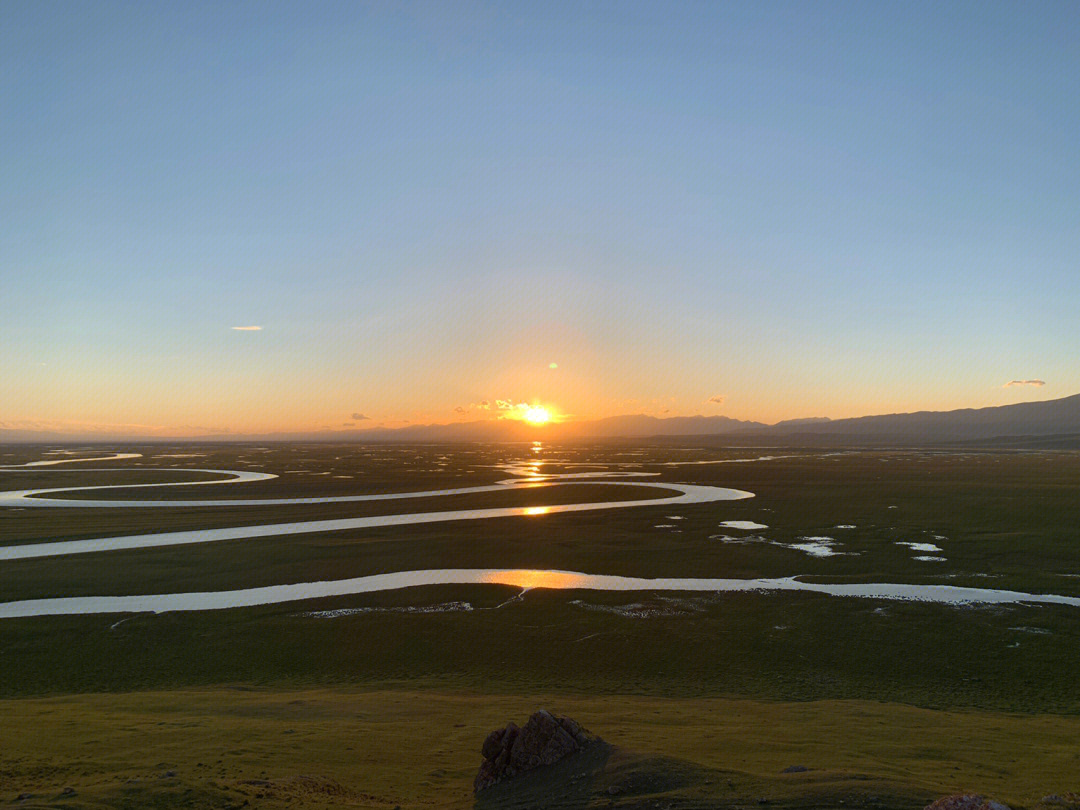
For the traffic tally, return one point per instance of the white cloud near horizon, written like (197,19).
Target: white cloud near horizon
(1036,383)
(246,328)
(358,417)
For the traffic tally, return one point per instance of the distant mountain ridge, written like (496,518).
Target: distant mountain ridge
(1056,416)
(809,420)
(490,430)
(1059,417)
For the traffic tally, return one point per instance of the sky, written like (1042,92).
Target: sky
(763,210)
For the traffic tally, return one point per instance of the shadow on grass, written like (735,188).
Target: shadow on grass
(569,784)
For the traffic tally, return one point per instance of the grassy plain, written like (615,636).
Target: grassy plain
(887,700)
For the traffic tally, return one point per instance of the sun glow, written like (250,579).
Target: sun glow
(537,415)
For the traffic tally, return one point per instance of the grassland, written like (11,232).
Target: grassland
(346,747)
(882,699)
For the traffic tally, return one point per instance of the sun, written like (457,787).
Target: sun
(537,415)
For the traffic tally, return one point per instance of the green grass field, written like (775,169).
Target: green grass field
(884,700)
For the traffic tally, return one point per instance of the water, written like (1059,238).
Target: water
(686,494)
(520,578)
(527,476)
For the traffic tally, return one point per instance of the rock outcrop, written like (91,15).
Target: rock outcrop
(544,740)
(965,801)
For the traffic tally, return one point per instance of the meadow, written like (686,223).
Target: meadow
(382,699)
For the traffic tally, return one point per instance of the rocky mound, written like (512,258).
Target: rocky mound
(544,740)
(966,801)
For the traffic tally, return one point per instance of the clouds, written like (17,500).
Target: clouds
(510,408)
(483,405)
(1036,383)
(717,400)
(246,328)
(359,417)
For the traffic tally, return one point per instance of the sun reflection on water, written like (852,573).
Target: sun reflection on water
(537,579)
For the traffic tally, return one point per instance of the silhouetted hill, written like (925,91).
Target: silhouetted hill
(490,430)
(1053,423)
(1056,416)
(810,420)
(641,425)
(510,430)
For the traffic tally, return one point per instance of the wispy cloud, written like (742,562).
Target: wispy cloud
(246,328)
(359,417)
(460,409)
(1036,383)
(717,400)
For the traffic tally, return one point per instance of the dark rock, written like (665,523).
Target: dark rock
(544,740)
(68,791)
(795,769)
(965,801)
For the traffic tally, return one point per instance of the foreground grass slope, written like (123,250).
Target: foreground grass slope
(409,747)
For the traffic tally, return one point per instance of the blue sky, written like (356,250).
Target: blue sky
(805,208)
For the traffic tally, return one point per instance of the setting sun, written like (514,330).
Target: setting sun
(537,416)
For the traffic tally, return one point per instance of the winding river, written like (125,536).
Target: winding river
(525,476)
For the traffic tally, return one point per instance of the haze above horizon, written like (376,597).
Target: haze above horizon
(260,217)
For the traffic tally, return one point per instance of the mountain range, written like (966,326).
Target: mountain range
(1047,423)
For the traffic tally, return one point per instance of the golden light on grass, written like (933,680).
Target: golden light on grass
(537,415)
